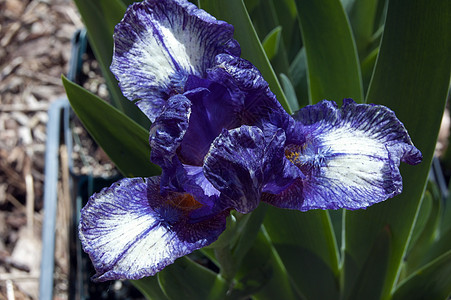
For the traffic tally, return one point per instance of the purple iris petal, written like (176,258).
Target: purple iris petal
(168,130)
(250,92)
(350,157)
(233,94)
(212,111)
(159,43)
(131,231)
(243,162)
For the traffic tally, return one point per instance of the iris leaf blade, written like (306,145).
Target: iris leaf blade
(362,15)
(306,245)
(125,142)
(150,288)
(332,61)
(375,266)
(289,92)
(186,279)
(262,274)
(411,77)
(433,281)
(287,16)
(271,42)
(298,70)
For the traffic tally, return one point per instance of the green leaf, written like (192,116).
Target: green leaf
(248,233)
(435,238)
(150,288)
(362,16)
(271,42)
(287,16)
(411,77)
(424,232)
(367,67)
(298,70)
(306,245)
(263,16)
(374,267)
(188,280)
(265,20)
(125,142)
(234,12)
(100,17)
(332,62)
(262,274)
(289,91)
(433,282)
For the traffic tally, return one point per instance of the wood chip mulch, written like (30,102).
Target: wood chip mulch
(35,47)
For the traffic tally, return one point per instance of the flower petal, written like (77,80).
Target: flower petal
(130,231)
(351,157)
(212,110)
(233,166)
(159,43)
(242,163)
(255,102)
(168,130)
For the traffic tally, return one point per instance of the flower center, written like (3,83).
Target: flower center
(184,202)
(307,157)
(176,207)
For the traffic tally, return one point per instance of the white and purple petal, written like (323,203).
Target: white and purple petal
(243,162)
(351,157)
(159,43)
(130,231)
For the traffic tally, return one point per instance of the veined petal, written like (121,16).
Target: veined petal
(168,130)
(255,102)
(278,171)
(159,43)
(242,163)
(212,110)
(130,231)
(350,158)
(233,166)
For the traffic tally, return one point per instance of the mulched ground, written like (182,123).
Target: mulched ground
(35,48)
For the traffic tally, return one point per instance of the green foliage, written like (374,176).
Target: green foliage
(306,245)
(332,63)
(125,142)
(394,53)
(403,78)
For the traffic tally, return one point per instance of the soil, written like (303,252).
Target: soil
(35,49)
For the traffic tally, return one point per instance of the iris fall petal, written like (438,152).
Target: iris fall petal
(130,231)
(350,157)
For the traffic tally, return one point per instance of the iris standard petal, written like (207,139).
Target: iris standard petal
(350,157)
(130,231)
(254,101)
(168,130)
(212,110)
(159,43)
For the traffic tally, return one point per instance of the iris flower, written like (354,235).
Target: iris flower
(348,157)
(224,142)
